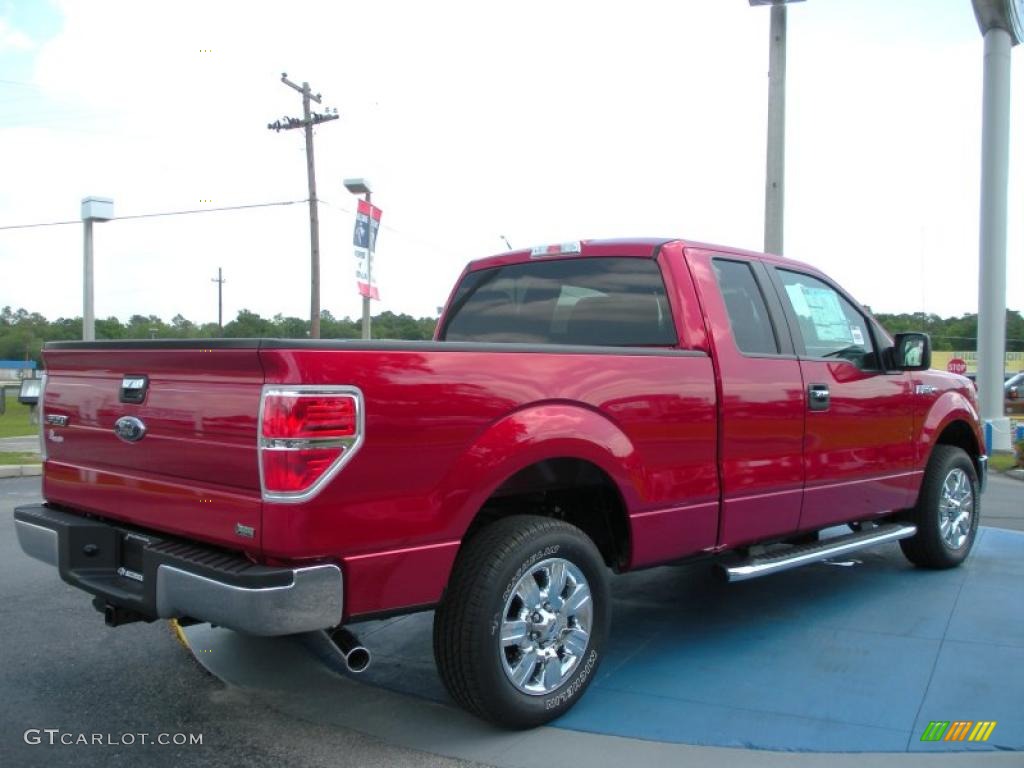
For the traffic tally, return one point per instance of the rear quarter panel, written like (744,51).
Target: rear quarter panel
(445,428)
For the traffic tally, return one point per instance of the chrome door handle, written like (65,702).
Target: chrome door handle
(818,397)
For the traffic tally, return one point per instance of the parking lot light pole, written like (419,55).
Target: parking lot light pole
(93,209)
(1002,24)
(362,187)
(775,163)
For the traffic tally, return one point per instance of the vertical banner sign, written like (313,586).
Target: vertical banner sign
(365,240)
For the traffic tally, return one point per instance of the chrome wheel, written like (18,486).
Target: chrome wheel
(956,507)
(546,626)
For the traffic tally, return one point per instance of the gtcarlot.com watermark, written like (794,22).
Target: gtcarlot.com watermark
(56,737)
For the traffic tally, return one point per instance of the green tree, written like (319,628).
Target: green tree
(249,325)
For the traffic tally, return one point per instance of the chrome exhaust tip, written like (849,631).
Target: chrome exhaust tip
(357,656)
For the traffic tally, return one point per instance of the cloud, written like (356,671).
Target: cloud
(12,39)
(543,122)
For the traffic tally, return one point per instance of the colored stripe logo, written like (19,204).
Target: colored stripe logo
(958,730)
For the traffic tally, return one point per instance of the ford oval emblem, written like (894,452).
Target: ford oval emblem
(130,429)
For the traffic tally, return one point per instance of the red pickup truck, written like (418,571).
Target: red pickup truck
(584,408)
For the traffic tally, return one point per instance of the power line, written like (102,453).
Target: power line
(162,213)
(210,210)
(41,224)
(19,82)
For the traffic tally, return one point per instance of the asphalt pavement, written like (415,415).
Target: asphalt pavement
(1002,505)
(61,668)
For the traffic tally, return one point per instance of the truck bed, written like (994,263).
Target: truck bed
(445,424)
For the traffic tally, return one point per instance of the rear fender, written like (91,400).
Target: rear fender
(534,434)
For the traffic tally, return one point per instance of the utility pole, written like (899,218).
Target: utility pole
(309,119)
(775,165)
(775,170)
(219,280)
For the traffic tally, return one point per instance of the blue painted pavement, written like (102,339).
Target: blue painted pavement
(857,655)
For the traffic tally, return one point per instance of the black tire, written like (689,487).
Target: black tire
(468,646)
(929,548)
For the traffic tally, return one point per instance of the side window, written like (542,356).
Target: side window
(748,315)
(829,324)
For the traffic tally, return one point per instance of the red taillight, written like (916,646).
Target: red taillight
(289,416)
(293,471)
(306,435)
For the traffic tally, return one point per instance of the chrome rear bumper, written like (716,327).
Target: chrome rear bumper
(164,578)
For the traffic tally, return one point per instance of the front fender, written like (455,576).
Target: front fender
(534,434)
(948,407)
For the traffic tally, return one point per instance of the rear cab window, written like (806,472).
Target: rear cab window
(595,301)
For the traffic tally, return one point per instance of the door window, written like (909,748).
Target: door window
(748,315)
(831,327)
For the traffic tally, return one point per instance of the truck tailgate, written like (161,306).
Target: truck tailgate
(193,472)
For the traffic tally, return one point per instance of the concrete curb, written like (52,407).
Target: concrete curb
(1016,474)
(21,470)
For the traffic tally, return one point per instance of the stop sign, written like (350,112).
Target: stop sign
(956,365)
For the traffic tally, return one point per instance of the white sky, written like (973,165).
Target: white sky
(541,121)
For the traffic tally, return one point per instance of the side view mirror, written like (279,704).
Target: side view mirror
(912,352)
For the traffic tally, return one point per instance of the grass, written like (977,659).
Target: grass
(1000,462)
(14,457)
(14,421)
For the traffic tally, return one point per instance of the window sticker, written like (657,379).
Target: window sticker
(821,306)
(796,297)
(858,337)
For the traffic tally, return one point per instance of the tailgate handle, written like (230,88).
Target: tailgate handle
(134,388)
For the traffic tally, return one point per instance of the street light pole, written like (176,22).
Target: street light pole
(362,187)
(219,280)
(93,209)
(88,311)
(369,279)
(1002,24)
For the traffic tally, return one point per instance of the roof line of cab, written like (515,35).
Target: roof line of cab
(640,247)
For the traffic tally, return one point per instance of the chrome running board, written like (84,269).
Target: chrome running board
(794,557)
